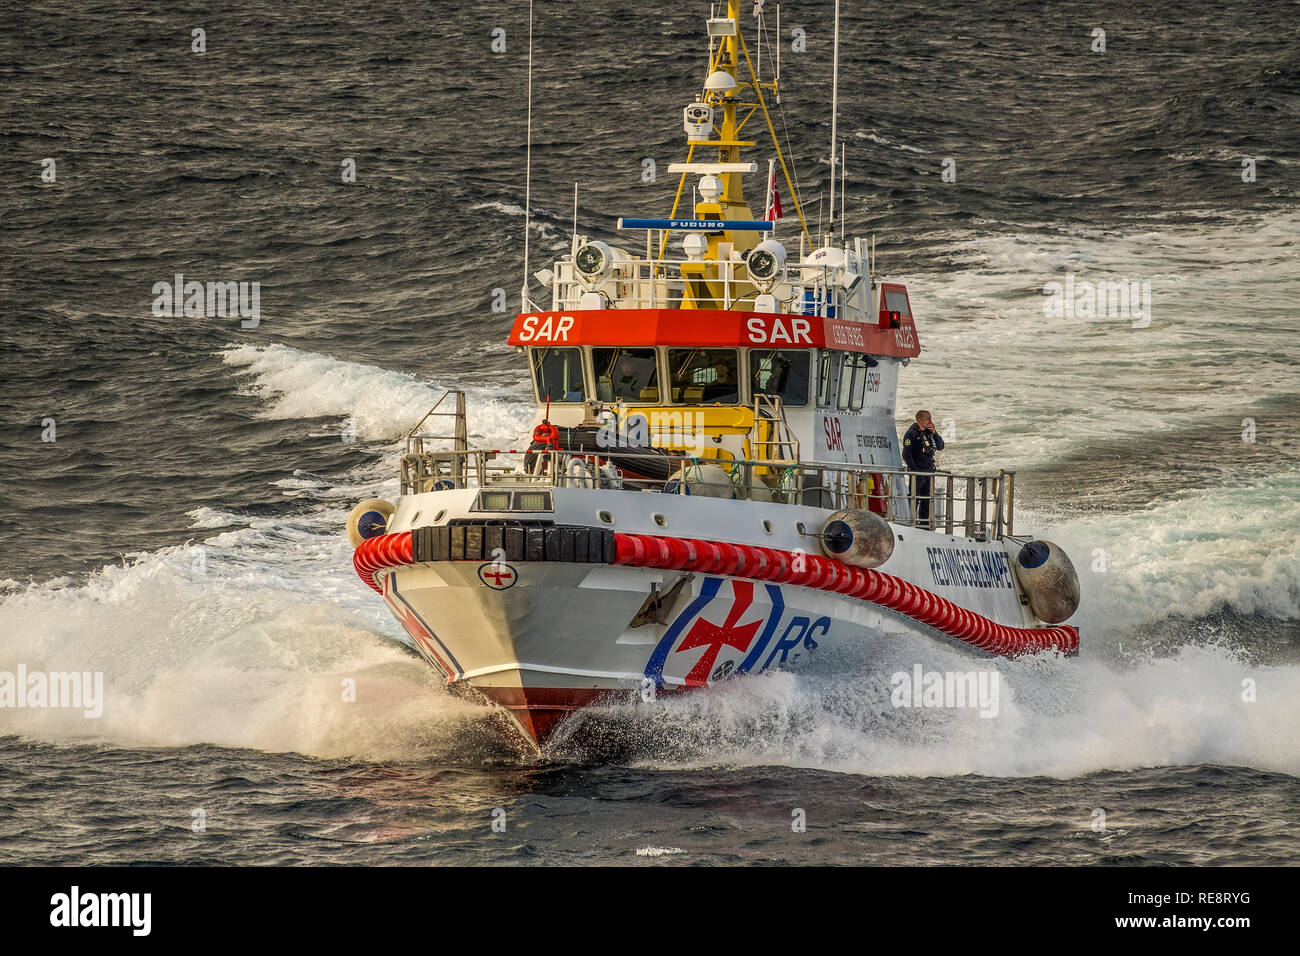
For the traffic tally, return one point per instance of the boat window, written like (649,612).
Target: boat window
(626,375)
(558,373)
(704,375)
(853,381)
(783,373)
(824,383)
(896,302)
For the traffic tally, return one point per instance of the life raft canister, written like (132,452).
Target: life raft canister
(877,493)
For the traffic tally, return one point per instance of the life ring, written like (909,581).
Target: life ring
(547,435)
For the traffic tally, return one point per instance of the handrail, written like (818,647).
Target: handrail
(953,502)
(415,442)
(636,283)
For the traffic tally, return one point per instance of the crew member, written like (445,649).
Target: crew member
(723,388)
(919,447)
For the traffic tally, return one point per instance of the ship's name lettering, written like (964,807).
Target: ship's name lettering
(555,328)
(844,335)
(969,568)
(834,433)
(797,331)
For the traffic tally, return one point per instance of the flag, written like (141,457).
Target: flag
(773,210)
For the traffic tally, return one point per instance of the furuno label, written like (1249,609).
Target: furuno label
(731,628)
(969,568)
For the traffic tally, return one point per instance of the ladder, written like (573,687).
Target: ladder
(442,464)
(770,437)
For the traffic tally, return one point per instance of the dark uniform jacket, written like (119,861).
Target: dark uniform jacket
(919,448)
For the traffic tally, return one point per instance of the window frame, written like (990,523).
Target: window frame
(740,363)
(826,377)
(659,374)
(854,398)
(534,356)
(753,354)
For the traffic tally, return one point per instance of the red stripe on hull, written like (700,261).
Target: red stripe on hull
(539,710)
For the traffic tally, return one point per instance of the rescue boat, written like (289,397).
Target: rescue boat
(713,486)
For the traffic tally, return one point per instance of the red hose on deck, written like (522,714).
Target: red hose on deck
(877,587)
(784,567)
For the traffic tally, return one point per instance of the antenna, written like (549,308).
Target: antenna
(779,41)
(841,192)
(835,103)
(575,211)
(771,181)
(528,163)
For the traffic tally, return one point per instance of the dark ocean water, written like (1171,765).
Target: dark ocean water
(182,533)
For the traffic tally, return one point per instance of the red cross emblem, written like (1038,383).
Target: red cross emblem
(713,637)
(497,576)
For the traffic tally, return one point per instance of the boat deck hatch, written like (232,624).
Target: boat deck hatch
(495,500)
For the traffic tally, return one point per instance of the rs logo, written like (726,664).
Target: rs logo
(720,635)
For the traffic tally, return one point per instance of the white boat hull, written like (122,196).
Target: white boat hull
(543,639)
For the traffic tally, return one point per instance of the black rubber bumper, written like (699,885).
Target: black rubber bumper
(487,540)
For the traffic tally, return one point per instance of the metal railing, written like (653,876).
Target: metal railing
(662,284)
(449,465)
(976,506)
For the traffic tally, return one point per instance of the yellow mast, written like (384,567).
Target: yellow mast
(733,192)
(731,202)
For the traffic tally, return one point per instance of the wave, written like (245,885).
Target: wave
(1205,550)
(244,638)
(1218,350)
(381,405)
(1056,718)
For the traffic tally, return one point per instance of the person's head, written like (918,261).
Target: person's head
(924,420)
(723,370)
